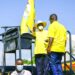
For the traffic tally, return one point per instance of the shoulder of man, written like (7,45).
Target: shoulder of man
(27,72)
(63,26)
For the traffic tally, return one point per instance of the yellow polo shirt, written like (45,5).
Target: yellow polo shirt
(59,33)
(40,44)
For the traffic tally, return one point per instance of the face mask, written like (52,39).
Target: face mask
(41,27)
(19,67)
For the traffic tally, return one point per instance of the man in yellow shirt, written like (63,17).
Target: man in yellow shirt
(57,42)
(40,47)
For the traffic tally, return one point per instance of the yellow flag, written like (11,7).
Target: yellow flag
(28,17)
(24,27)
(31,18)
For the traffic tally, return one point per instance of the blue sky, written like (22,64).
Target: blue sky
(11,12)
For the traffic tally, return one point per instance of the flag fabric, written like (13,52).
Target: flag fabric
(31,15)
(24,26)
(28,17)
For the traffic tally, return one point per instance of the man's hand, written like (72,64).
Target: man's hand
(34,28)
(50,44)
(47,40)
(48,50)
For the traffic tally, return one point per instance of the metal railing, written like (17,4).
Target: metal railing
(71,57)
(67,66)
(6,28)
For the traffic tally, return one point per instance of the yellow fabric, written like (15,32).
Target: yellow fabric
(30,21)
(59,33)
(31,18)
(40,44)
(23,26)
(28,18)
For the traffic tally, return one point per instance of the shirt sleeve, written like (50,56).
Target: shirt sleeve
(51,31)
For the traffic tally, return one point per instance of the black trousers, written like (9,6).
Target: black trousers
(41,64)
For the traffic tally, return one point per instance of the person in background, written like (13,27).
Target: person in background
(57,34)
(40,47)
(19,69)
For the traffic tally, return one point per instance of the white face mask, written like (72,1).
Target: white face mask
(41,27)
(19,67)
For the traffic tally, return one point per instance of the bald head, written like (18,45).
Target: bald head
(53,17)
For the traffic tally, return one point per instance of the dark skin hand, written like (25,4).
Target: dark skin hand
(46,41)
(34,28)
(50,44)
